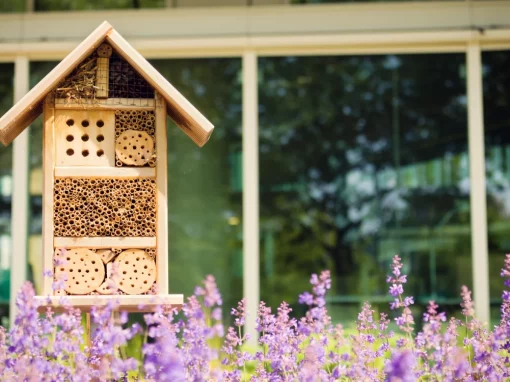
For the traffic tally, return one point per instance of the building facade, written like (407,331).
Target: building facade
(346,132)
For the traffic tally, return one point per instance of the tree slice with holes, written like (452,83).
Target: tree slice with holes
(134,148)
(137,271)
(84,269)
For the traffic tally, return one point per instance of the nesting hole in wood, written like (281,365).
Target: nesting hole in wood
(85,123)
(100,123)
(84,137)
(100,138)
(70,122)
(70,152)
(70,138)
(85,153)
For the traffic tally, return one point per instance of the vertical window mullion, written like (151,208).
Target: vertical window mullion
(251,283)
(20,197)
(478,198)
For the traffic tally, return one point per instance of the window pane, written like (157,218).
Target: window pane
(6,98)
(204,184)
(496,93)
(38,71)
(8,6)
(362,158)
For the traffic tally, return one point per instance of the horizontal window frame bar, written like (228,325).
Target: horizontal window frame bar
(301,45)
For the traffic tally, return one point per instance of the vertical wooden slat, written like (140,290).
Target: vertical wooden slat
(162,195)
(48,182)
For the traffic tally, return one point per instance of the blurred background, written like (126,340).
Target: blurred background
(346,132)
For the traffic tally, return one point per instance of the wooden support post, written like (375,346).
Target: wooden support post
(161,199)
(48,181)
(104,53)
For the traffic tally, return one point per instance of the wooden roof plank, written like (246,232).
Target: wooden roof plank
(15,120)
(184,114)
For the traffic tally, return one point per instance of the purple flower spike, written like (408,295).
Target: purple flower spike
(406,320)
(468,308)
(400,368)
(196,347)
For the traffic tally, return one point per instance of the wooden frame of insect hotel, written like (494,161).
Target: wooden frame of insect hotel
(105,233)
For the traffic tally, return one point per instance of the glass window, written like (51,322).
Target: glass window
(496,93)
(205,184)
(6,100)
(8,6)
(362,158)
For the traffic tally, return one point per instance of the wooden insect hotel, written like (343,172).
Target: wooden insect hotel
(105,233)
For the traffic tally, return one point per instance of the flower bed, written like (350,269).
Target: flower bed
(194,346)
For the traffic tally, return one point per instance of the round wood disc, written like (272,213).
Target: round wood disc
(134,148)
(106,288)
(84,269)
(137,271)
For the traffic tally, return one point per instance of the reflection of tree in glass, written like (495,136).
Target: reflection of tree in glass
(354,153)
(496,95)
(6,101)
(6,75)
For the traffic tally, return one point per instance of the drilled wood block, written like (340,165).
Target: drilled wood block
(137,120)
(134,148)
(137,271)
(83,271)
(84,138)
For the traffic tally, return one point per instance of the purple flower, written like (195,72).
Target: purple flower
(311,368)
(239,313)
(406,320)
(163,360)
(306,298)
(468,308)
(400,368)
(210,292)
(309,348)
(396,290)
